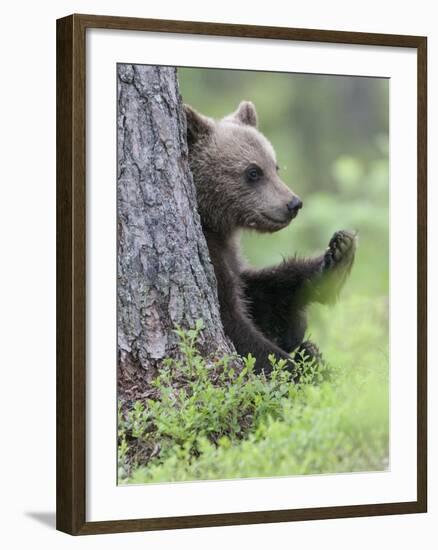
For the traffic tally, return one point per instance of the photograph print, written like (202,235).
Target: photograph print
(252,274)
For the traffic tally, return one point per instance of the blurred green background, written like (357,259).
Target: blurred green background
(331,138)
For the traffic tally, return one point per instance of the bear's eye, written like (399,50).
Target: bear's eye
(253,173)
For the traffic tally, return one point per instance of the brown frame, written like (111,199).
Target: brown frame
(70,174)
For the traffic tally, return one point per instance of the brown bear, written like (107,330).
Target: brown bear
(238,187)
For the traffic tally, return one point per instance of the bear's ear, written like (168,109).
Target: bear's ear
(197,124)
(246,113)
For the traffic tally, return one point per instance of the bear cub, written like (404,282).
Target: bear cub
(236,177)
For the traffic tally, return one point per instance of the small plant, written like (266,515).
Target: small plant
(198,401)
(217,419)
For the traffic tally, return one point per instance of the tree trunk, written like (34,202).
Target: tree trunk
(165,277)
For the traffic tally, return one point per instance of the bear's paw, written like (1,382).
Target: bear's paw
(340,251)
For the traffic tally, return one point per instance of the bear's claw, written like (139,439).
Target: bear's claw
(340,250)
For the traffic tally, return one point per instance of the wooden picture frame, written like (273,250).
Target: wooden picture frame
(71,272)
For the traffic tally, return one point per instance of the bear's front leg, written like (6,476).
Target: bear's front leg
(335,267)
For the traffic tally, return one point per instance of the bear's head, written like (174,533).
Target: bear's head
(236,174)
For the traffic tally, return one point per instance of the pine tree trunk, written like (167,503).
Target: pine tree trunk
(165,277)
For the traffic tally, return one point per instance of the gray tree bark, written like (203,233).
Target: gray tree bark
(165,276)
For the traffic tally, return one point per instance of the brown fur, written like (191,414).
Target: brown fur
(263,311)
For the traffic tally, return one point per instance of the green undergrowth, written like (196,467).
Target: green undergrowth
(219,420)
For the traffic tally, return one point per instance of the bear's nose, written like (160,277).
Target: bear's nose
(294,205)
